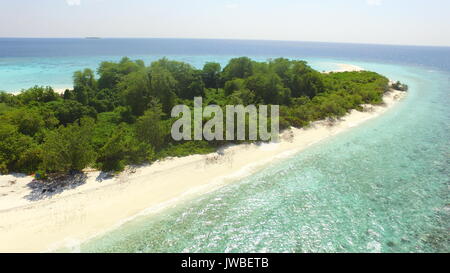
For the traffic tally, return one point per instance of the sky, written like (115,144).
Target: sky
(405,22)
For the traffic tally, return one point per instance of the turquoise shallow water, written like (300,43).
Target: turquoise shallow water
(380,187)
(22,73)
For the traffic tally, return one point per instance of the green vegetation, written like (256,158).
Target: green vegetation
(399,86)
(120,114)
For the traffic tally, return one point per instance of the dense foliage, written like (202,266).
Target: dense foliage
(120,114)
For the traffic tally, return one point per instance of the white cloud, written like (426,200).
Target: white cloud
(73,2)
(374,2)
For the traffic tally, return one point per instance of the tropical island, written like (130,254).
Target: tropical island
(101,153)
(123,116)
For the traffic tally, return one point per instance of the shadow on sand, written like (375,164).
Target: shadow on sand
(56,184)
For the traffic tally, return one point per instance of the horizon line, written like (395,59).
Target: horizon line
(229,39)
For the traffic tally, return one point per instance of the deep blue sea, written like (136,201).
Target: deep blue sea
(380,187)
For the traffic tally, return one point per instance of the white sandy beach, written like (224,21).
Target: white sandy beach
(75,215)
(347,68)
(61,90)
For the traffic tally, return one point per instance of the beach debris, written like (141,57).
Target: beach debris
(368,108)
(330,121)
(213,159)
(288,136)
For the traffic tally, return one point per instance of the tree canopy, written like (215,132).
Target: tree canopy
(120,114)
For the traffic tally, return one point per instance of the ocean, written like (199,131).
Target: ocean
(380,187)
(28,62)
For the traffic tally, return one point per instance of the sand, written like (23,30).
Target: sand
(101,204)
(61,90)
(347,68)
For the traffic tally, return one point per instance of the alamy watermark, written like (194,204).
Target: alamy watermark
(231,126)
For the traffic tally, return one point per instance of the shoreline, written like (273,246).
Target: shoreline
(61,90)
(346,68)
(102,204)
